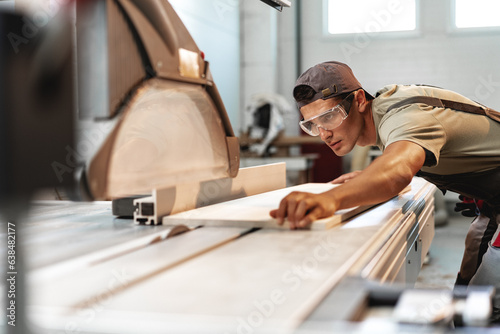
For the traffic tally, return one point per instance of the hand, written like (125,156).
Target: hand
(346,177)
(301,209)
(468,207)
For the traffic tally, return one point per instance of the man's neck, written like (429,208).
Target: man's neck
(369,137)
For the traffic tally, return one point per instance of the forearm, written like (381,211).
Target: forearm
(377,183)
(380,181)
(383,179)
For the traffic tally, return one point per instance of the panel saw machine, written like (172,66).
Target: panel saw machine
(200,253)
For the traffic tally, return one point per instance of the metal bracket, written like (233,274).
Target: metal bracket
(278,4)
(150,210)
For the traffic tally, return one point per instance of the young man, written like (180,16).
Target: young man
(449,145)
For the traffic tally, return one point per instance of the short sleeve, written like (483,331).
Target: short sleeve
(412,123)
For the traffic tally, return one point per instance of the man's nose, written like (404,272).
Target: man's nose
(324,134)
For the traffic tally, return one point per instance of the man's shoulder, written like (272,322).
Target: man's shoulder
(395,93)
(384,114)
(387,90)
(404,91)
(391,94)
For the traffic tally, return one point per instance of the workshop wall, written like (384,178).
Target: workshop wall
(214,25)
(466,62)
(258,51)
(268,57)
(278,46)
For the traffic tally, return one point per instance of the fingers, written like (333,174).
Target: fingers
(345,177)
(295,216)
(281,212)
(310,218)
(288,208)
(301,209)
(338,180)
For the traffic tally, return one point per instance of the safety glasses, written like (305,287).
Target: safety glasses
(328,120)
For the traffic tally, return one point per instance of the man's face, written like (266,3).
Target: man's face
(343,138)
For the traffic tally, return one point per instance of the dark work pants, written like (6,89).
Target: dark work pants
(481,261)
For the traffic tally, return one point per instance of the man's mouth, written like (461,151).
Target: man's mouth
(334,144)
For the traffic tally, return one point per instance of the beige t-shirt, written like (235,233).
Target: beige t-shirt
(460,142)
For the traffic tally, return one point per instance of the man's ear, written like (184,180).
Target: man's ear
(360,98)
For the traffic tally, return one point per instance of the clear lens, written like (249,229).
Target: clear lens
(327,120)
(308,127)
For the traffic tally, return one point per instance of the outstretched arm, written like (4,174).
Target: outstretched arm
(383,179)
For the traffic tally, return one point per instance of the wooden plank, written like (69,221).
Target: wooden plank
(249,181)
(253,211)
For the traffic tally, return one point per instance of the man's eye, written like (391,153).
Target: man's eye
(309,125)
(326,118)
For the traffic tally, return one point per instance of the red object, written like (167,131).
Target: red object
(497,242)
(467,199)
(202,54)
(479,202)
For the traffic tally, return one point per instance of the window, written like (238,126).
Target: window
(477,13)
(345,17)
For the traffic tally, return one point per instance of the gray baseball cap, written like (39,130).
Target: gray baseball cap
(328,79)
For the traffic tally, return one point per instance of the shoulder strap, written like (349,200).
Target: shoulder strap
(459,106)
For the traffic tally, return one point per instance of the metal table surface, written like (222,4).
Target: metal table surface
(88,271)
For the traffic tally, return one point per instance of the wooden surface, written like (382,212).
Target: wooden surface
(253,211)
